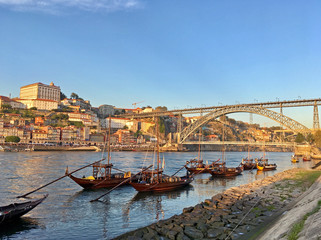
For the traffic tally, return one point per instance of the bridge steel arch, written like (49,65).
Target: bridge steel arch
(287,122)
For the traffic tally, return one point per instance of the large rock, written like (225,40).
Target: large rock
(193,233)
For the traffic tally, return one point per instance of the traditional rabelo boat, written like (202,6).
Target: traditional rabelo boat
(219,168)
(16,210)
(262,164)
(102,176)
(248,164)
(155,181)
(196,166)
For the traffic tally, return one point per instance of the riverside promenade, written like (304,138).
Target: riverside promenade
(244,212)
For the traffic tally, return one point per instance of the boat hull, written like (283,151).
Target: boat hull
(14,211)
(161,187)
(98,183)
(266,168)
(249,166)
(226,172)
(198,170)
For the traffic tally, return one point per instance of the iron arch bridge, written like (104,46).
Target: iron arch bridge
(283,120)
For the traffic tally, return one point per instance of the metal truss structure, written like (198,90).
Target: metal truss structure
(277,104)
(280,118)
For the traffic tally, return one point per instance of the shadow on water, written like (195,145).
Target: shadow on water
(23,224)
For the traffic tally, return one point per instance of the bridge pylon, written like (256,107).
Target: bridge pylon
(316,124)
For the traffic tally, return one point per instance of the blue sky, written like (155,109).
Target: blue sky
(171,53)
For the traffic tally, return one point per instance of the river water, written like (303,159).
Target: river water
(67,212)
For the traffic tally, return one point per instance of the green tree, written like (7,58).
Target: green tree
(160,109)
(137,134)
(6,106)
(12,139)
(299,138)
(74,96)
(76,124)
(62,96)
(33,108)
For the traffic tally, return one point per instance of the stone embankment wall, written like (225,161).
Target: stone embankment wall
(237,213)
(238,148)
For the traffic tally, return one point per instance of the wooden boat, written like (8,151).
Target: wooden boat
(248,164)
(102,177)
(219,168)
(195,166)
(13,211)
(156,181)
(263,165)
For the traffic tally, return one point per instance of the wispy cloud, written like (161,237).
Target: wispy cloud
(58,6)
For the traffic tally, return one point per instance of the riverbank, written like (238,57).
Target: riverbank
(238,213)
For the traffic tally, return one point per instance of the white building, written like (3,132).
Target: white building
(85,118)
(11,102)
(40,104)
(40,91)
(116,123)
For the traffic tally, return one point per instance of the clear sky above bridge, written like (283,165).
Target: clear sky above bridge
(171,53)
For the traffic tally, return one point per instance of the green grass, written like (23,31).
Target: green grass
(297,228)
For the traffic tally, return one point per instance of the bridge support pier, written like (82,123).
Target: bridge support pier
(316,124)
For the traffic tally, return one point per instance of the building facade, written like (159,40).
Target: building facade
(40,104)
(40,91)
(11,102)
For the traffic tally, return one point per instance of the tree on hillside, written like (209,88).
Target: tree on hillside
(74,96)
(62,96)
(299,138)
(160,109)
(6,106)
(12,139)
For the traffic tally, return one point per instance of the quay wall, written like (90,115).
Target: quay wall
(238,148)
(238,213)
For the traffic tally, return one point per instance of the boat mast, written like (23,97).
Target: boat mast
(109,128)
(157,143)
(199,144)
(223,148)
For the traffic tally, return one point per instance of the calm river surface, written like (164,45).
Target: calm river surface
(67,212)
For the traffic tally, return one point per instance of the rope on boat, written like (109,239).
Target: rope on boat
(243,218)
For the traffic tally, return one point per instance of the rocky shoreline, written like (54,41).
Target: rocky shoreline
(237,213)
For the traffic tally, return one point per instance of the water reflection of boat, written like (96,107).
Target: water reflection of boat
(16,210)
